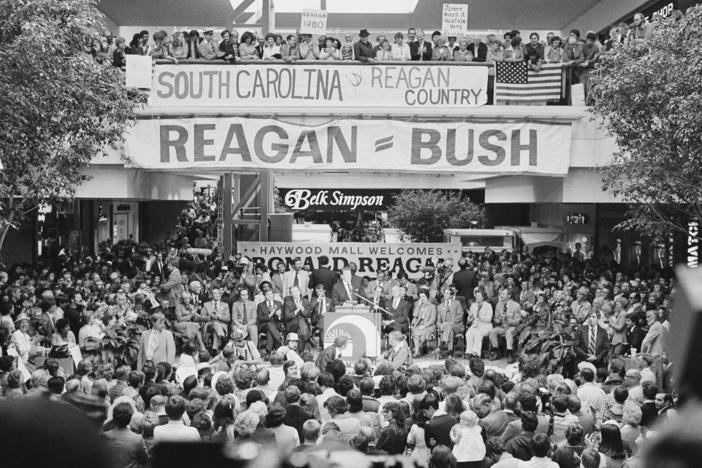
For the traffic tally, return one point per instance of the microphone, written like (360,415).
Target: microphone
(370,303)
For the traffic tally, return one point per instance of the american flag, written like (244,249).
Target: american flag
(515,82)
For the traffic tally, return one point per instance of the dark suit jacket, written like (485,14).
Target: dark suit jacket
(481,55)
(649,414)
(339,294)
(316,312)
(601,343)
(415,50)
(437,431)
(295,417)
(264,315)
(289,307)
(635,337)
(465,282)
(323,276)
(400,315)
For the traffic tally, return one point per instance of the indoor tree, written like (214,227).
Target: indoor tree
(648,96)
(422,215)
(61,105)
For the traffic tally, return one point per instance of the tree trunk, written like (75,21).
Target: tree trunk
(4,230)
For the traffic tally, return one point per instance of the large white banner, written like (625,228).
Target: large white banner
(369,257)
(336,85)
(350,145)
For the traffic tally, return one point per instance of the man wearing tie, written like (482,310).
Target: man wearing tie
(219,317)
(270,320)
(344,291)
(377,300)
(320,305)
(245,316)
(295,308)
(450,317)
(592,343)
(297,277)
(400,309)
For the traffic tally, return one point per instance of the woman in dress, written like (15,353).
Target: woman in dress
(480,319)
(424,323)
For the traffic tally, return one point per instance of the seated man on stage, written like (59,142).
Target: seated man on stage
(450,317)
(270,320)
(217,311)
(187,314)
(424,322)
(295,308)
(245,317)
(399,354)
(399,308)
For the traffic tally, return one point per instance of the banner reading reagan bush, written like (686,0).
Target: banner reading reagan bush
(369,257)
(318,85)
(350,145)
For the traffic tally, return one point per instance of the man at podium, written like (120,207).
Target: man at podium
(346,290)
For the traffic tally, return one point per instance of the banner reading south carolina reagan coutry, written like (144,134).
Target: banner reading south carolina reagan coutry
(318,85)
(350,145)
(370,257)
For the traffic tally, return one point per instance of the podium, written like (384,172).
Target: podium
(361,327)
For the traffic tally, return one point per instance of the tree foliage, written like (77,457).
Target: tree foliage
(424,214)
(649,97)
(60,107)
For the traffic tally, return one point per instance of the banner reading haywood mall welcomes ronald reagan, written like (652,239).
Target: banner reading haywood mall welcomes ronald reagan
(319,85)
(350,145)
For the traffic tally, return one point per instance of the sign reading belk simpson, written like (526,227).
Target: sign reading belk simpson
(319,85)
(370,257)
(350,145)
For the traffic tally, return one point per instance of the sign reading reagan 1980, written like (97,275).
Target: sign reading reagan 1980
(318,85)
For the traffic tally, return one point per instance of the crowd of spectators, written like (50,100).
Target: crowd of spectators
(200,370)
(416,45)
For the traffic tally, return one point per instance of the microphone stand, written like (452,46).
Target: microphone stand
(371,304)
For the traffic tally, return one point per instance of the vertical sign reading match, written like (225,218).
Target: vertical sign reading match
(454,20)
(313,22)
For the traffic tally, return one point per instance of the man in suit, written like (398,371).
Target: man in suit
(245,317)
(332,352)
(297,277)
(399,308)
(592,343)
(154,263)
(157,345)
(381,280)
(464,280)
(323,275)
(507,317)
(270,320)
(450,317)
(634,333)
(320,305)
(478,48)
(295,309)
(346,290)
(377,299)
(420,50)
(278,280)
(654,341)
(217,312)
(188,314)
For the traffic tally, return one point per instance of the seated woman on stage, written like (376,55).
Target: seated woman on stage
(424,323)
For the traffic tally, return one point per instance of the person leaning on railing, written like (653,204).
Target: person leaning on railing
(247,48)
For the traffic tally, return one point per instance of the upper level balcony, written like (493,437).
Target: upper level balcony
(359,90)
